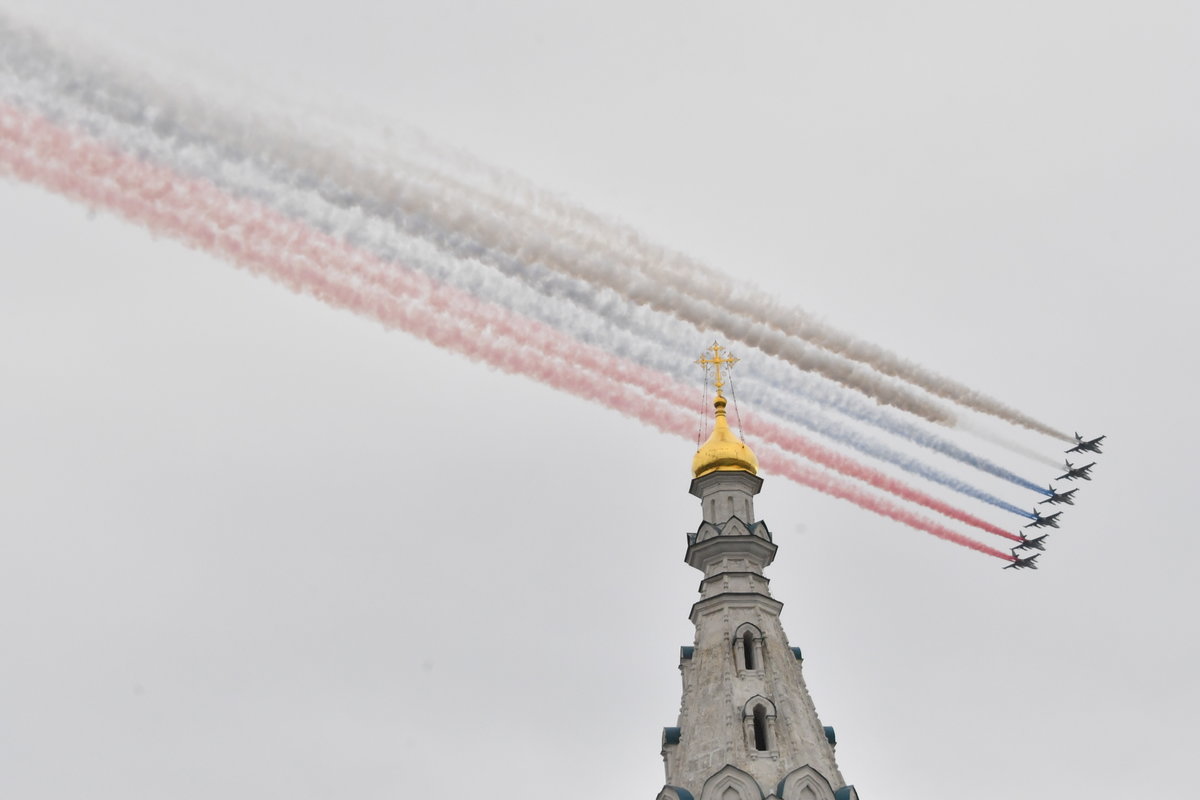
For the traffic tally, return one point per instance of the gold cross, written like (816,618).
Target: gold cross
(717,360)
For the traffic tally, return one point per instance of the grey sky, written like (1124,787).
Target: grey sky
(254,547)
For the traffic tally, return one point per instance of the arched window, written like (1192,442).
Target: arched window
(760,728)
(758,721)
(747,643)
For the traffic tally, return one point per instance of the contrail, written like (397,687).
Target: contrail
(795,443)
(197,213)
(359,230)
(512,198)
(685,288)
(781,406)
(656,385)
(799,474)
(989,436)
(768,386)
(847,466)
(549,223)
(468,220)
(202,158)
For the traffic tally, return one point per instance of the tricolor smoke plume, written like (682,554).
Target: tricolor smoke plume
(121,117)
(511,197)
(534,308)
(255,237)
(551,236)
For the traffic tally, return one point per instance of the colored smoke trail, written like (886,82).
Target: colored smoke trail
(42,67)
(800,474)
(763,319)
(204,160)
(654,384)
(787,409)
(465,220)
(847,466)
(198,214)
(778,394)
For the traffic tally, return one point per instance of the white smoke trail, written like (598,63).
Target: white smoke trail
(554,238)
(259,239)
(452,215)
(574,240)
(686,276)
(167,139)
(593,322)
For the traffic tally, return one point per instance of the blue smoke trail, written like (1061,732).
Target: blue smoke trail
(855,407)
(770,402)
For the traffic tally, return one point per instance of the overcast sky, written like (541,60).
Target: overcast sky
(252,546)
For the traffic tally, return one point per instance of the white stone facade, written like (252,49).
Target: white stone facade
(747,727)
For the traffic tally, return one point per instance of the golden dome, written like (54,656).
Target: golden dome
(723,451)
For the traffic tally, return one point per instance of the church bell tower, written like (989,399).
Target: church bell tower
(747,727)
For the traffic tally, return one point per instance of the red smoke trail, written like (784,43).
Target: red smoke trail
(155,183)
(826,483)
(657,385)
(201,215)
(796,443)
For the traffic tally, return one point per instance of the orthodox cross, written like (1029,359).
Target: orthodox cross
(716,361)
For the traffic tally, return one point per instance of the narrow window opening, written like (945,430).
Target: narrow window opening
(748,650)
(760,728)
(712,509)
(730,506)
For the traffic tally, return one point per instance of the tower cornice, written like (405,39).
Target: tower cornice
(735,599)
(725,575)
(753,482)
(701,554)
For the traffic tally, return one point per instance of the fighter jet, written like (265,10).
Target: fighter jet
(1044,522)
(1023,563)
(1074,472)
(1056,497)
(1092,446)
(1036,543)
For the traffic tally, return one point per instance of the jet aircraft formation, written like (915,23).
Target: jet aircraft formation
(1054,497)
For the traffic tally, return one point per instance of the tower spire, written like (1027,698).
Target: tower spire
(747,727)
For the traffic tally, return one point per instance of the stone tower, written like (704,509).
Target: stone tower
(747,727)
